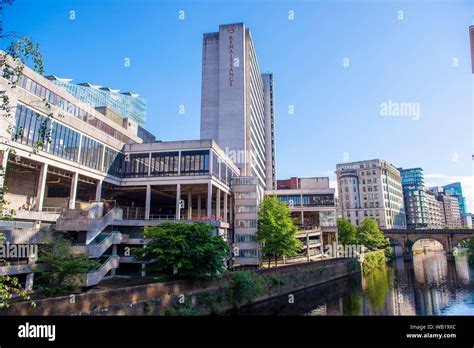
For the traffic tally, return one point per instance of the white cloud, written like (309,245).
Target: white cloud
(467,183)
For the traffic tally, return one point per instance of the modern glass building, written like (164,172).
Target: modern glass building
(455,189)
(126,105)
(414,196)
(421,209)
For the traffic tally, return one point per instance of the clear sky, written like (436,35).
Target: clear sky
(399,51)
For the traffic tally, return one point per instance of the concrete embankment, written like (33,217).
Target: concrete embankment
(192,297)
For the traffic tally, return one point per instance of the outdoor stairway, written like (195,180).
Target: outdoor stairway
(93,277)
(77,220)
(102,242)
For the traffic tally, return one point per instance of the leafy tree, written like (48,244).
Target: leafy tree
(276,230)
(184,250)
(369,235)
(347,233)
(60,267)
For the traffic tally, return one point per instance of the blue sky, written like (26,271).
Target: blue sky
(419,55)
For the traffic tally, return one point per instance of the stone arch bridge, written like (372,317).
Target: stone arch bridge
(449,238)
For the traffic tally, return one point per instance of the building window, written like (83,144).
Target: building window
(91,153)
(244,209)
(31,127)
(318,200)
(164,164)
(194,162)
(113,162)
(136,165)
(244,181)
(245,195)
(245,238)
(246,223)
(248,253)
(64,142)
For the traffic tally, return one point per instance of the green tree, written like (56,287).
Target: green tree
(61,266)
(347,233)
(370,236)
(183,250)
(276,230)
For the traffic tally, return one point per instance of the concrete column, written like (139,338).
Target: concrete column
(147,202)
(307,247)
(231,210)
(302,219)
(226,198)
(178,198)
(98,190)
(190,206)
(40,190)
(114,252)
(73,192)
(218,204)
(322,244)
(143,272)
(29,281)
(149,164)
(199,206)
(209,200)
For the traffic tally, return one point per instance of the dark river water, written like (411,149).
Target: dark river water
(428,285)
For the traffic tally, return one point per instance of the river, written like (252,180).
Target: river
(428,285)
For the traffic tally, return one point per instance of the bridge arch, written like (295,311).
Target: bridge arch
(448,238)
(460,238)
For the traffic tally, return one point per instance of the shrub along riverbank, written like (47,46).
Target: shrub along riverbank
(195,297)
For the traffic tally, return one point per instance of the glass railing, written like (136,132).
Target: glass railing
(100,266)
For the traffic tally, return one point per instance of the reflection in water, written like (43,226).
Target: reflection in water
(429,285)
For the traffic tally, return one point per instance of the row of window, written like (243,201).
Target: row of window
(245,238)
(245,209)
(36,130)
(54,99)
(245,195)
(166,164)
(246,223)
(248,253)
(309,200)
(244,181)
(91,153)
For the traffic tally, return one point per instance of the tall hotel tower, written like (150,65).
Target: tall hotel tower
(237,103)
(237,111)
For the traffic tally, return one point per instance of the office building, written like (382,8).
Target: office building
(451,212)
(455,189)
(372,189)
(421,207)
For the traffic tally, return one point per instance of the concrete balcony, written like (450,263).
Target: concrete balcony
(45,216)
(16,269)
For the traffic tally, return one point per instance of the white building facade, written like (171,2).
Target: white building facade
(372,189)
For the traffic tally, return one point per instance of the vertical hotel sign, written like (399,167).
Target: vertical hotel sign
(231,31)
